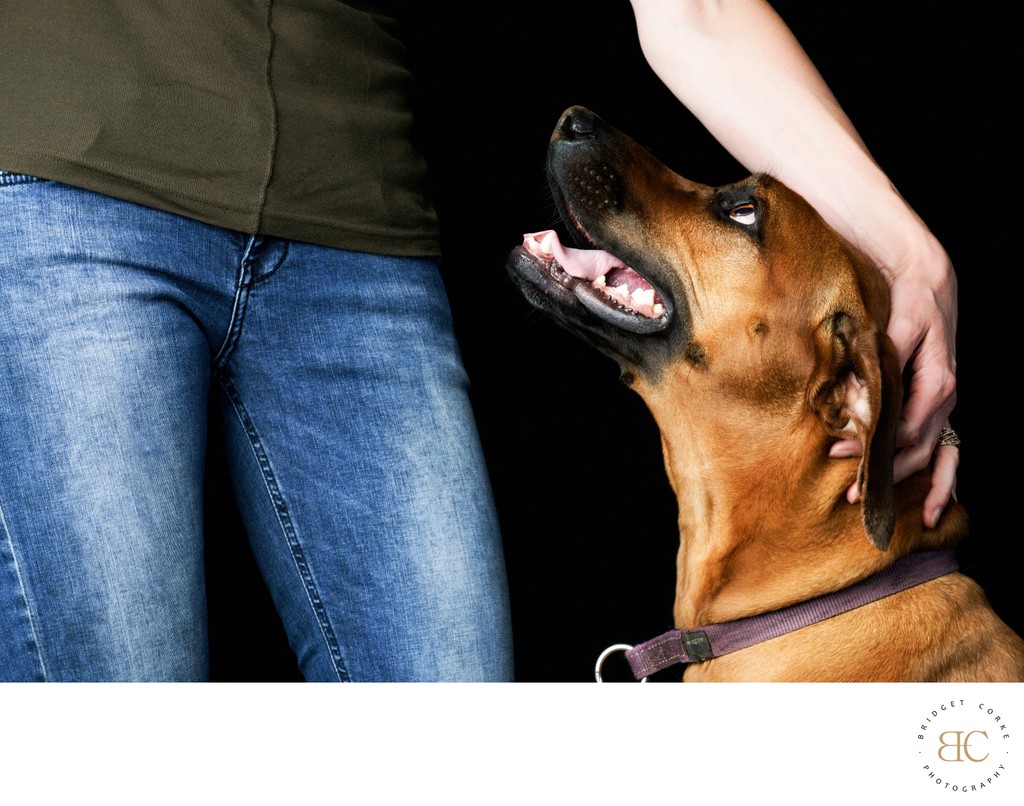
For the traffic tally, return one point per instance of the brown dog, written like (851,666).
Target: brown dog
(756,336)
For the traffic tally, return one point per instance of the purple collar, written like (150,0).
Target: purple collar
(705,643)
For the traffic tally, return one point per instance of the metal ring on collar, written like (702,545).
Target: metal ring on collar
(604,655)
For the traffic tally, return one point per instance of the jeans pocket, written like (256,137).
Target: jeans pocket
(9,178)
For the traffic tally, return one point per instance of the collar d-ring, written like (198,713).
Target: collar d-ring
(604,656)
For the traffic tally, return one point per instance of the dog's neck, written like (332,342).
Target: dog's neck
(754,533)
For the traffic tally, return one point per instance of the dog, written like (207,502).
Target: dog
(755,335)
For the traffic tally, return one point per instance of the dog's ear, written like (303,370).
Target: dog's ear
(859,385)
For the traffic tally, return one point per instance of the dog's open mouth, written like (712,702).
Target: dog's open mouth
(601,282)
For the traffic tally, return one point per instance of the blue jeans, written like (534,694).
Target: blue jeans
(351,444)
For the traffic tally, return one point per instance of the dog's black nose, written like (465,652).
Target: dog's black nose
(577,123)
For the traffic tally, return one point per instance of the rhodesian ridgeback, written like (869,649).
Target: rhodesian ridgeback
(756,336)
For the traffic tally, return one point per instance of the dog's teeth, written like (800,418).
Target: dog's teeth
(643,298)
(621,296)
(547,244)
(640,301)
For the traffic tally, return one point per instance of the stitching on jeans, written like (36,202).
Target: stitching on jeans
(245,283)
(273,269)
(241,300)
(24,596)
(10,178)
(288,529)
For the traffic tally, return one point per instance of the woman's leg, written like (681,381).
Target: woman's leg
(358,468)
(103,388)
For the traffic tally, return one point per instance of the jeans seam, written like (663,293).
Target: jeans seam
(256,279)
(8,178)
(239,304)
(244,285)
(288,529)
(24,595)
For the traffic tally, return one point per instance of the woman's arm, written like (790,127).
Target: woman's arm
(738,68)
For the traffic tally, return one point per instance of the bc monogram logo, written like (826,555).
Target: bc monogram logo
(964,745)
(961,741)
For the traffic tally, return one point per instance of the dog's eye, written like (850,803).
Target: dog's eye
(744,213)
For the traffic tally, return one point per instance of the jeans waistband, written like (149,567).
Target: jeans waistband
(11,178)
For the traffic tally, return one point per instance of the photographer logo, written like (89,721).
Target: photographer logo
(964,746)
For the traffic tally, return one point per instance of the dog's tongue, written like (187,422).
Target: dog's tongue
(602,271)
(587,264)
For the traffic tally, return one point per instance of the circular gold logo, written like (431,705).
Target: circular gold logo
(964,745)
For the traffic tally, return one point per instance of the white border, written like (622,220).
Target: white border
(481,744)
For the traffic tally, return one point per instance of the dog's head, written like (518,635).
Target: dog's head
(736,305)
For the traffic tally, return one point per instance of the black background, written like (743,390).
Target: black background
(586,512)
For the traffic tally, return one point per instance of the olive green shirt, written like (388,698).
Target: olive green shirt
(287,118)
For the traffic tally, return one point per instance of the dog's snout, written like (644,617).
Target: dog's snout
(577,123)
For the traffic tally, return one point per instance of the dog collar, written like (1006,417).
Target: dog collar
(705,643)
